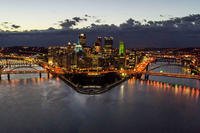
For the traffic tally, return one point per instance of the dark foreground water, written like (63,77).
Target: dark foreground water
(50,106)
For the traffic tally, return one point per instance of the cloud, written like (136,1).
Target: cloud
(162,16)
(174,32)
(51,28)
(88,16)
(78,19)
(7,26)
(15,26)
(5,22)
(130,23)
(98,21)
(67,24)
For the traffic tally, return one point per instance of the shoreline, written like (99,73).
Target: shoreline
(92,90)
(89,90)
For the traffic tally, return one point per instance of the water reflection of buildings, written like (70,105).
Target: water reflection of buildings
(177,90)
(19,79)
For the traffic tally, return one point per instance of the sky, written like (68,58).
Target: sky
(42,14)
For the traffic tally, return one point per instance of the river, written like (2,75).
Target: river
(34,105)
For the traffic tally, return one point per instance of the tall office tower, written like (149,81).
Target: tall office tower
(98,44)
(82,40)
(78,47)
(98,41)
(131,59)
(108,44)
(122,50)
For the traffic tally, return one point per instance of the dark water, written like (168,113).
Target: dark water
(49,105)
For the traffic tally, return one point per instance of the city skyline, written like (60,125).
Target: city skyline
(22,15)
(99,66)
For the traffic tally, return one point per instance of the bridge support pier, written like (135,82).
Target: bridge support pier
(8,75)
(40,74)
(138,76)
(146,77)
(147,68)
(48,75)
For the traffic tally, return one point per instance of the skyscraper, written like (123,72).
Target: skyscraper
(82,40)
(98,41)
(108,42)
(98,44)
(122,49)
(78,47)
(108,45)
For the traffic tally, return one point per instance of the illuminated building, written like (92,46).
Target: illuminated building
(70,47)
(122,49)
(108,42)
(87,50)
(78,47)
(131,59)
(108,45)
(98,45)
(82,40)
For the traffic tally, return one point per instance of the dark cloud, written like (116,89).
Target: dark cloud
(67,24)
(88,16)
(191,22)
(78,19)
(5,22)
(15,26)
(130,24)
(103,27)
(51,28)
(7,26)
(98,21)
(175,32)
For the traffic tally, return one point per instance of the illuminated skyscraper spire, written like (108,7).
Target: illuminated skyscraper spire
(122,49)
(82,40)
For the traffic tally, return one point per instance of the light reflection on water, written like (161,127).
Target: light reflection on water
(175,81)
(44,102)
(177,90)
(49,105)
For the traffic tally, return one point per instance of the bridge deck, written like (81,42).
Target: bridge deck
(23,72)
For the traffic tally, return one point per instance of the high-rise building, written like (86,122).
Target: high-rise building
(108,45)
(122,50)
(82,40)
(98,44)
(78,48)
(108,42)
(131,59)
(98,41)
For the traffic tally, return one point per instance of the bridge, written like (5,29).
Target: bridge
(175,75)
(138,71)
(169,64)
(142,69)
(13,65)
(16,70)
